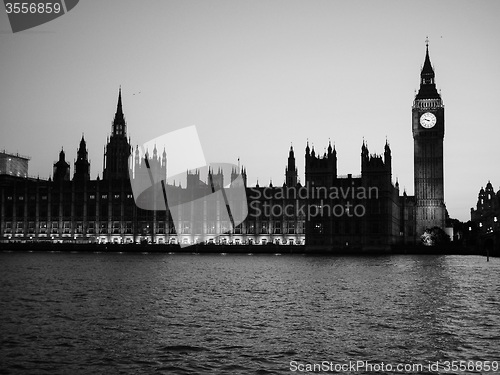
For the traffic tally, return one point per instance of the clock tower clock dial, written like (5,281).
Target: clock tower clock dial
(428,120)
(428,136)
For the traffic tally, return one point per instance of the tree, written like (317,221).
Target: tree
(435,237)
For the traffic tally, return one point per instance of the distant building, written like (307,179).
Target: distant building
(485,218)
(328,211)
(13,164)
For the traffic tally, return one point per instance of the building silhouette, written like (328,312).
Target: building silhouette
(327,211)
(485,219)
(428,134)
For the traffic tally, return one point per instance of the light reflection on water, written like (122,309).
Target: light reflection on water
(235,314)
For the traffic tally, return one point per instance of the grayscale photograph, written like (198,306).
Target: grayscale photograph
(249,187)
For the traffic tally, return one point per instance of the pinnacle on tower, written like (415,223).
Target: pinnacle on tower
(427,84)
(119,125)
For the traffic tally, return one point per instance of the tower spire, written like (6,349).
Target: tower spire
(119,106)
(118,148)
(427,83)
(119,125)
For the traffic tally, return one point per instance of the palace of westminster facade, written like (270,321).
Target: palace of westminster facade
(332,211)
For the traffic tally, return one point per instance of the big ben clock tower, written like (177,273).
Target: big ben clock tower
(428,135)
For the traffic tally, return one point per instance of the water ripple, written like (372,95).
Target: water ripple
(202,314)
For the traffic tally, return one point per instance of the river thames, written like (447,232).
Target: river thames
(92,313)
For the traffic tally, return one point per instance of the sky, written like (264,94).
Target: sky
(255,77)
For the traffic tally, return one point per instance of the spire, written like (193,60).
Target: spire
(307,148)
(427,83)
(427,70)
(61,168)
(119,106)
(119,125)
(82,164)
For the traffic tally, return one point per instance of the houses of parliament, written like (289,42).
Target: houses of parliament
(359,212)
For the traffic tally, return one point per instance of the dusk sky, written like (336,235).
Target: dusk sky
(256,77)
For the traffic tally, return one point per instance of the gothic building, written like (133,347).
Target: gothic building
(351,212)
(486,216)
(485,220)
(328,211)
(428,135)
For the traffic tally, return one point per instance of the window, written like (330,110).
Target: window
(263,227)
(161,227)
(251,228)
(277,227)
(186,227)
(211,227)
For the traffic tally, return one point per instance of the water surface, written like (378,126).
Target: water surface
(88,313)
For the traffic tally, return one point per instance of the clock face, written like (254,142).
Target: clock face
(428,120)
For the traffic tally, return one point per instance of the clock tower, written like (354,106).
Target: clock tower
(428,135)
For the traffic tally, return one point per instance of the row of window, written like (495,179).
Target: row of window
(161,228)
(91,196)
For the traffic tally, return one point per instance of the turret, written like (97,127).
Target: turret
(118,149)
(61,168)
(291,170)
(82,165)
(387,156)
